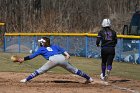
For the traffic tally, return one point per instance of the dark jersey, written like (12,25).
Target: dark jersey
(107,37)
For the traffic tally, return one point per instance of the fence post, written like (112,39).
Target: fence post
(34,42)
(4,44)
(51,39)
(67,43)
(139,53)
(86,45)
(19,44)
(120,48)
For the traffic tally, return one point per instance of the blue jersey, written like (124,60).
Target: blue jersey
(46,52)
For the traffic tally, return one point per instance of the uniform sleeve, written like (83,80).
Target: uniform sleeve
(98,39)
(38,52)
(60,49)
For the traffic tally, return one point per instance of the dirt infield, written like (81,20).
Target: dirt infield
(60,83)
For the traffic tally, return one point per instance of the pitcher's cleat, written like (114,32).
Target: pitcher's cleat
(101,77)
(89,81)
(23,81)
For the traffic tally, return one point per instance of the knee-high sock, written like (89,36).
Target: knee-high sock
(103,70)
(82,74)
(32,75)
(109,67)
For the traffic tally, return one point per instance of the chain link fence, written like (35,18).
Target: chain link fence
(127,49)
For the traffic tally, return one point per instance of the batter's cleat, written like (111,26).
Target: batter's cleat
(107,74)
(102,77)
(89,81)
(23,81)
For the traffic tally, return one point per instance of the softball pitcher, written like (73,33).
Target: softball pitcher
(56,56)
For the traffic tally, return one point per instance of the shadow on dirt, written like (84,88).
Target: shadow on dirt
(62,81)
(55,81)
(117,81)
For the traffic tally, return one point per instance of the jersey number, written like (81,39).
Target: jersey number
(49,49)
(108,36)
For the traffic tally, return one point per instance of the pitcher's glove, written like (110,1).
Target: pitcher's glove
(15,58)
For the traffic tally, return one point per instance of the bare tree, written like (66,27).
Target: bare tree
(64,15)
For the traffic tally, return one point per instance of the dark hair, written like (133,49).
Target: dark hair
(47,43)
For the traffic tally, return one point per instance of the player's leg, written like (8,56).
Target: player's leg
(109,66)
(74,70)
(60,59)
(110,58)
(103,67)
(104,56)
(53,61)
(109,62)
(41,70)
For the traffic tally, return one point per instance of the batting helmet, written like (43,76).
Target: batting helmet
(106,23)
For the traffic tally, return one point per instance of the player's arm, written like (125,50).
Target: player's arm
(35,54)
(67,55)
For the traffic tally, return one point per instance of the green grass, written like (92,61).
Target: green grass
(88,65)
